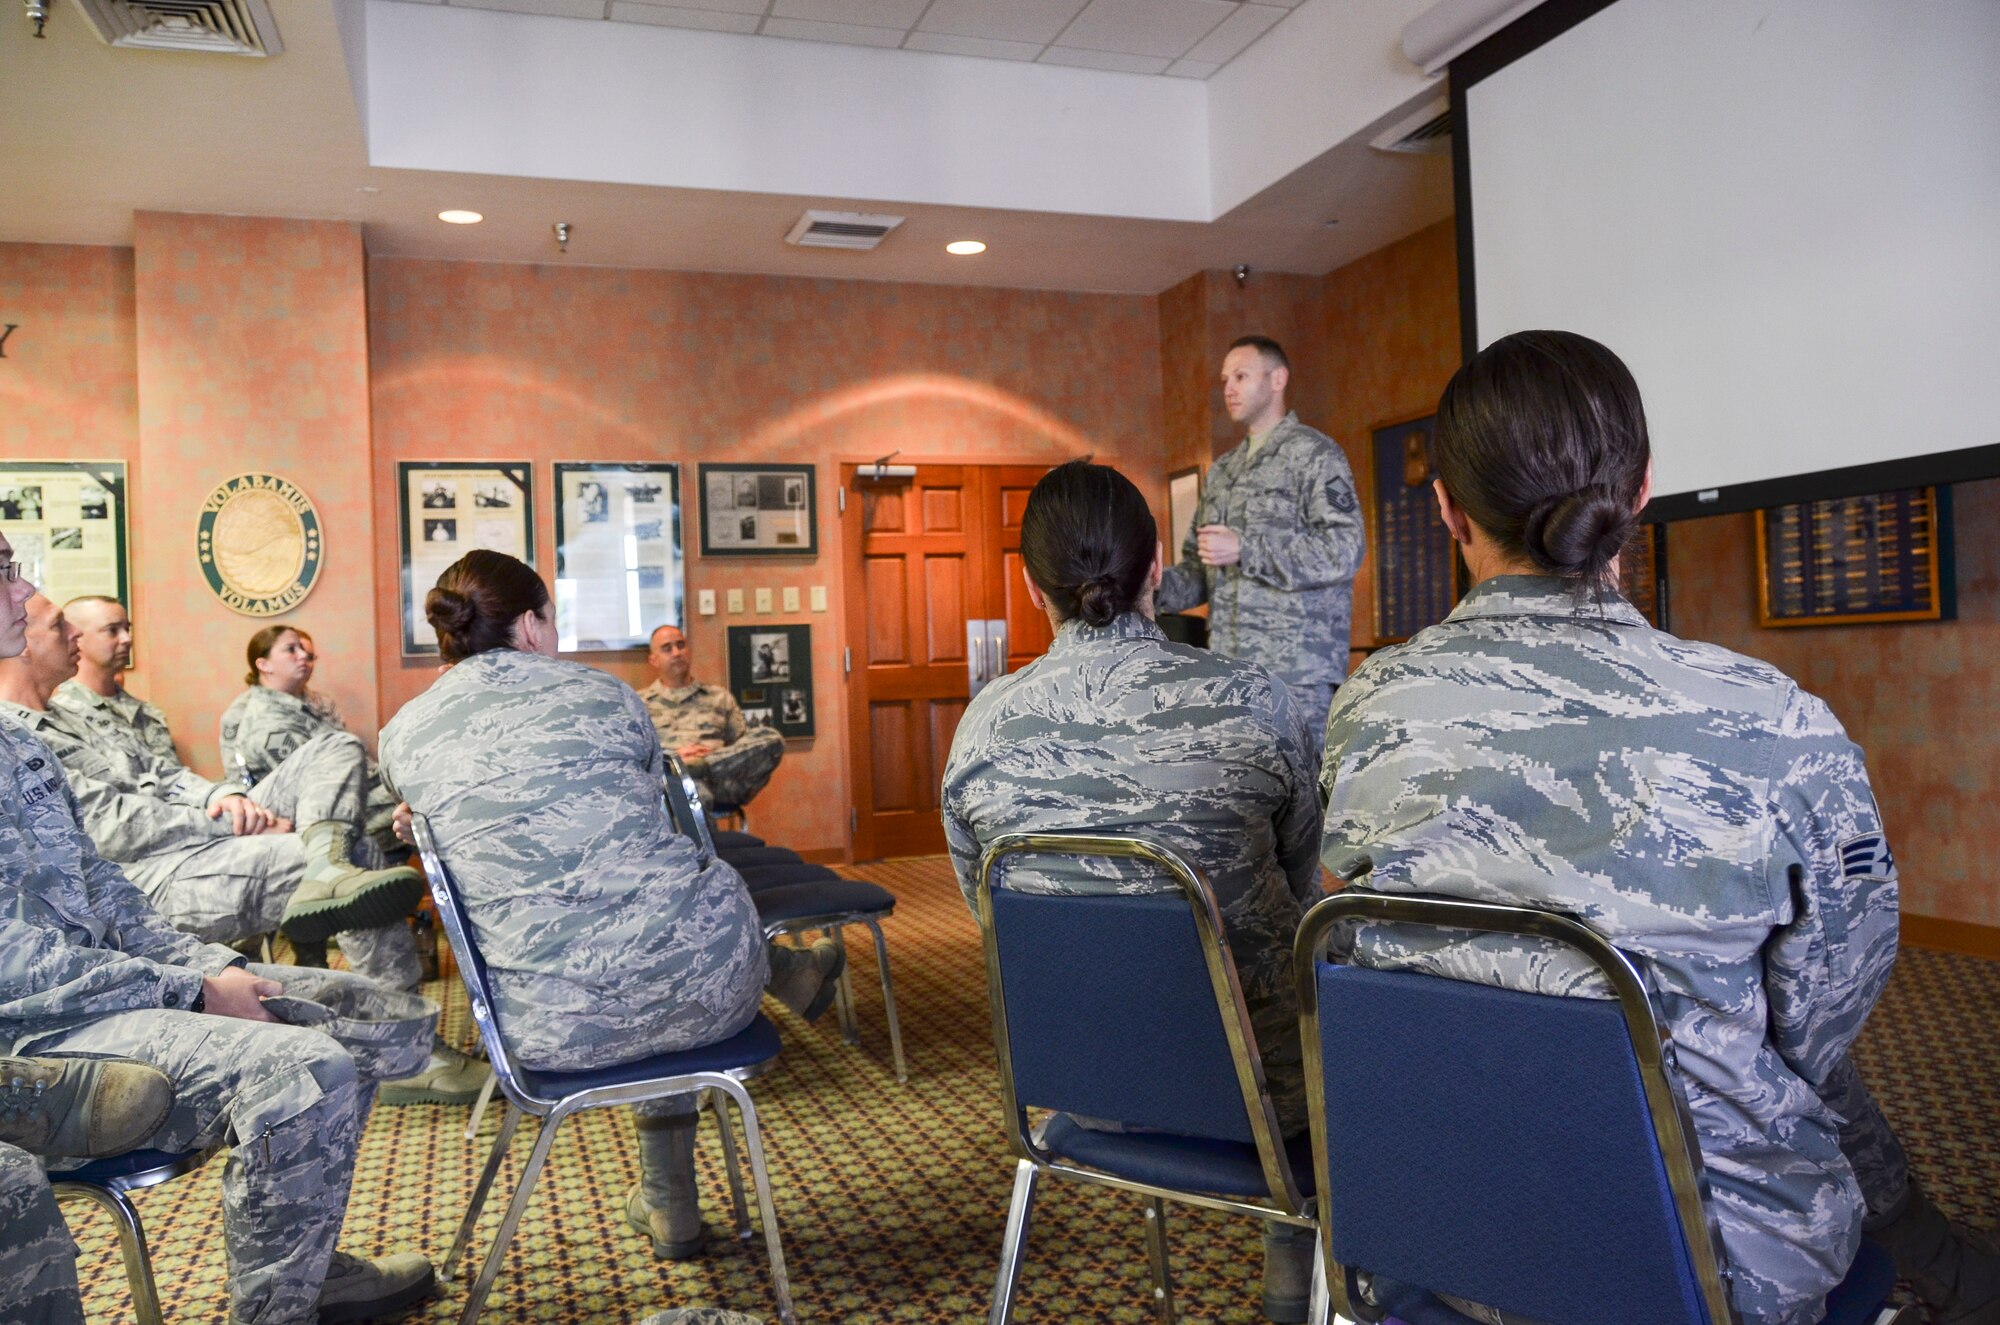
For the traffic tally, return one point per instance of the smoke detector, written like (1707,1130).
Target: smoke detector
(220,27)
(1425,133)
(853,230)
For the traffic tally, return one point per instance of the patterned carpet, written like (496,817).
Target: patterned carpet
(891,1197)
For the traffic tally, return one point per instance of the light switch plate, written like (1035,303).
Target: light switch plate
(791,598)
(736,600)
(819,597)
(763,600)
(705,602)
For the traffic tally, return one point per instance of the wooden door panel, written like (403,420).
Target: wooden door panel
(944,600)
(882,508)
(889,730)
(1028,633)
(888,634)
(944,510)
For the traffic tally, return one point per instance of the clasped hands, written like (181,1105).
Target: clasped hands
(1218,545)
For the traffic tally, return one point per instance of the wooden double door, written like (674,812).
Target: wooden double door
(926,557)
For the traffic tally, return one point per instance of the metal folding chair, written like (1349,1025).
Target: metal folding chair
(1127,1008)
(828,904)
(719,1070)
(105,1183)
(1528,1152)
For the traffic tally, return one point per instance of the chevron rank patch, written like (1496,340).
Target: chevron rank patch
(1867,856)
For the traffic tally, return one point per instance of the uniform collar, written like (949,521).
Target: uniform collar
(1076,632)
(1543,596)
(677,694)
(33,719)
(1280,430)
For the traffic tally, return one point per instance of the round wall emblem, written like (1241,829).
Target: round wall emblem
(259,544)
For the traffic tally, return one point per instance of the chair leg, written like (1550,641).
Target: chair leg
(479,1106)
(479,1191)
(1156,1247)
(843,998)
(889,1000)
(512,1220)
(1013,1243)
(718,1100)
(753,1141)
(131,1244)
(1319,1307)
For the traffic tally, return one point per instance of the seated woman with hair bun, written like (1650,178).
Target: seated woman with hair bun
(605,938)
(1545,746)
(1115,729)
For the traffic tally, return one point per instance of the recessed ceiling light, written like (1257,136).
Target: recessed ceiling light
(964,248)
(458,216)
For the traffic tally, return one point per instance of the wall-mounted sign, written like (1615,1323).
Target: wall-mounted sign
(618,553)
(259,544)
(66,520)
(447,508)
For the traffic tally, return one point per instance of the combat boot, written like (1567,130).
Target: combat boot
(1956,1270)
(356,1288)
(806,979)
(81,1108)
(666,1203)
(335,894)
(1288,1269)
(450,1077)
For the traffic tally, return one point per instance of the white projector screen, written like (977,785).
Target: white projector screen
(1785,216)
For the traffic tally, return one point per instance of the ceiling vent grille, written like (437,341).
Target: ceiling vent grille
(221,27)
(851,230)
(1426,133)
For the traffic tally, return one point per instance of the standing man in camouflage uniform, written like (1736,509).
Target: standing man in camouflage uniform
(1544,746)
(729,760)
(1276,541)
(104,651)
(222,863)
(1116,730)
(89,969)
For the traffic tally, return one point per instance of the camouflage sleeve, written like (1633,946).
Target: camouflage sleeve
(1185,583)
(960,841)
(1324,547)
(1824,969)
(133,825)
(647,738)
(733,725)
(1298,820)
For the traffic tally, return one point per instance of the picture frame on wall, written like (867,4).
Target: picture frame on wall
(759,510)
(1416,564)
(1183,506)
(771,676)
(67,522)
(445,509)
(1878,558)
(620,570)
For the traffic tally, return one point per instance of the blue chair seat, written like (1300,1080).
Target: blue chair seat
(750,857)
(755,1044)
(800,901)
(114,1169)
(1184,1163)
(759,877)
(728,839)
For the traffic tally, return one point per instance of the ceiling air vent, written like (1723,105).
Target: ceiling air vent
(1426,133)
(223,27)
(855,230)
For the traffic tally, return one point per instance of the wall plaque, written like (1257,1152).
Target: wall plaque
(66,520)
(258,541)
(1416,566)
(1883,557)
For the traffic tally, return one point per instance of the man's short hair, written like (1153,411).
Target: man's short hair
(92,598)
(665,625)
(1274,353)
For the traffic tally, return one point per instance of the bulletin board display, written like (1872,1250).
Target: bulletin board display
(1882,557)
(446,509)
(67,522)
(771,675)
(1416,566)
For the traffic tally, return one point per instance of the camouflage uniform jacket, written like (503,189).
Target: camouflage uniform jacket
(604,935)
(76,940)
(1288,602)
(1530,750)
(142,716)
(262,727)
(733,773)
(1116,730)
(136,805)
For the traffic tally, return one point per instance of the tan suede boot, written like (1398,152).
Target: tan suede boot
(81,1108)
(666,1204)
(335,894)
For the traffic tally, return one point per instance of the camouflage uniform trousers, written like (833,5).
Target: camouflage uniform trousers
(37,1255)
(291,1101)
(237,887)
(737,772)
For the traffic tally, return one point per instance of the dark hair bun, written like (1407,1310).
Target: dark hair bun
(1099,602)
(449,612)
(1087,538)
(1577,534)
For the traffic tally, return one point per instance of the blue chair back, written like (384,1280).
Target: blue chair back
(1524,1151)
(1120,1007)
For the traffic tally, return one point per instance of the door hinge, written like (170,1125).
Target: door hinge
(847,662)
(843,499)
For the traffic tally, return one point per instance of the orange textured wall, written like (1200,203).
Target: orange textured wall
(1392,344)
(252,356)
(1918,698)
(68,389)
(544,363)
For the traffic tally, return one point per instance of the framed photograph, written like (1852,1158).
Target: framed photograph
(1183,502)
(1416,565)
(1854,560)
(445,509)
(620,573)
(759,511)
(66,520)
(770,673)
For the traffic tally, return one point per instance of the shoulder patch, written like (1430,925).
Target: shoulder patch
(1339,496)
(1866,856)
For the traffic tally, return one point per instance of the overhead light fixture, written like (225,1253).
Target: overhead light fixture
(459,216)
(964,248)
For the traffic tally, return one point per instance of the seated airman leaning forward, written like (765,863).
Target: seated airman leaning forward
(606,938)
(89,970)
(220,862)
(1545,746)
(104,651)
(267,723)
(729,760)
(1118,730)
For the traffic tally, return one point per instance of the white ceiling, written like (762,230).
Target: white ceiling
(96,134)
(1179,38)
